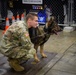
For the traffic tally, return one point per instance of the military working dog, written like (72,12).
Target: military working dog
(41,34)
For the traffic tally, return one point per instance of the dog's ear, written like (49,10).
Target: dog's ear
(52,18)
(50,21)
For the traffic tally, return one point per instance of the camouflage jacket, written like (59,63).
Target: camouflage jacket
(16,36)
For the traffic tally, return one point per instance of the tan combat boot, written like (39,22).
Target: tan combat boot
(15,65)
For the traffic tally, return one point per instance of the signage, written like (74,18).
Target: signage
(32,1)
(42,17)
(37,7)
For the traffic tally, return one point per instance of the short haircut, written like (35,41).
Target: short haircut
(31,16)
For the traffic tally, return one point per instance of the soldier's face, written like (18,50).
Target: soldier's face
(34,22)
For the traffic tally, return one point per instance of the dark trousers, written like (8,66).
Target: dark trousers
(17,11)
(3,8)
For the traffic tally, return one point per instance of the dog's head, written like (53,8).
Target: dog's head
(52,26)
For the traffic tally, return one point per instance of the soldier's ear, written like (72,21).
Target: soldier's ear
(29,19)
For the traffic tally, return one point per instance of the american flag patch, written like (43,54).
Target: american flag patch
(26,34)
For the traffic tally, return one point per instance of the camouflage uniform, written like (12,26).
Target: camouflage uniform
(16,42)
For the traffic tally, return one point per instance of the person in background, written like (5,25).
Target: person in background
(16,44)
(15,6)
(47,11)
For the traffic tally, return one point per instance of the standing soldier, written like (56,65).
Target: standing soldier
(16,44)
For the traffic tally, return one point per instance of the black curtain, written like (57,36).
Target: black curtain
(75,11)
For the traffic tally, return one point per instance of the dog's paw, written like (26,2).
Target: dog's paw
(37,59)
(34,62)
(44,55)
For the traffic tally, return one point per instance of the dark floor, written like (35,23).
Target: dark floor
(30,67)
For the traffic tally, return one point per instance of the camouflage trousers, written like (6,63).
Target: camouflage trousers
(21,53)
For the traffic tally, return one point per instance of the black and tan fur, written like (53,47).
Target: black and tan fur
(41,34)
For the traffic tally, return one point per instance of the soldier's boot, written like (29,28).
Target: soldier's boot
(15,65)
